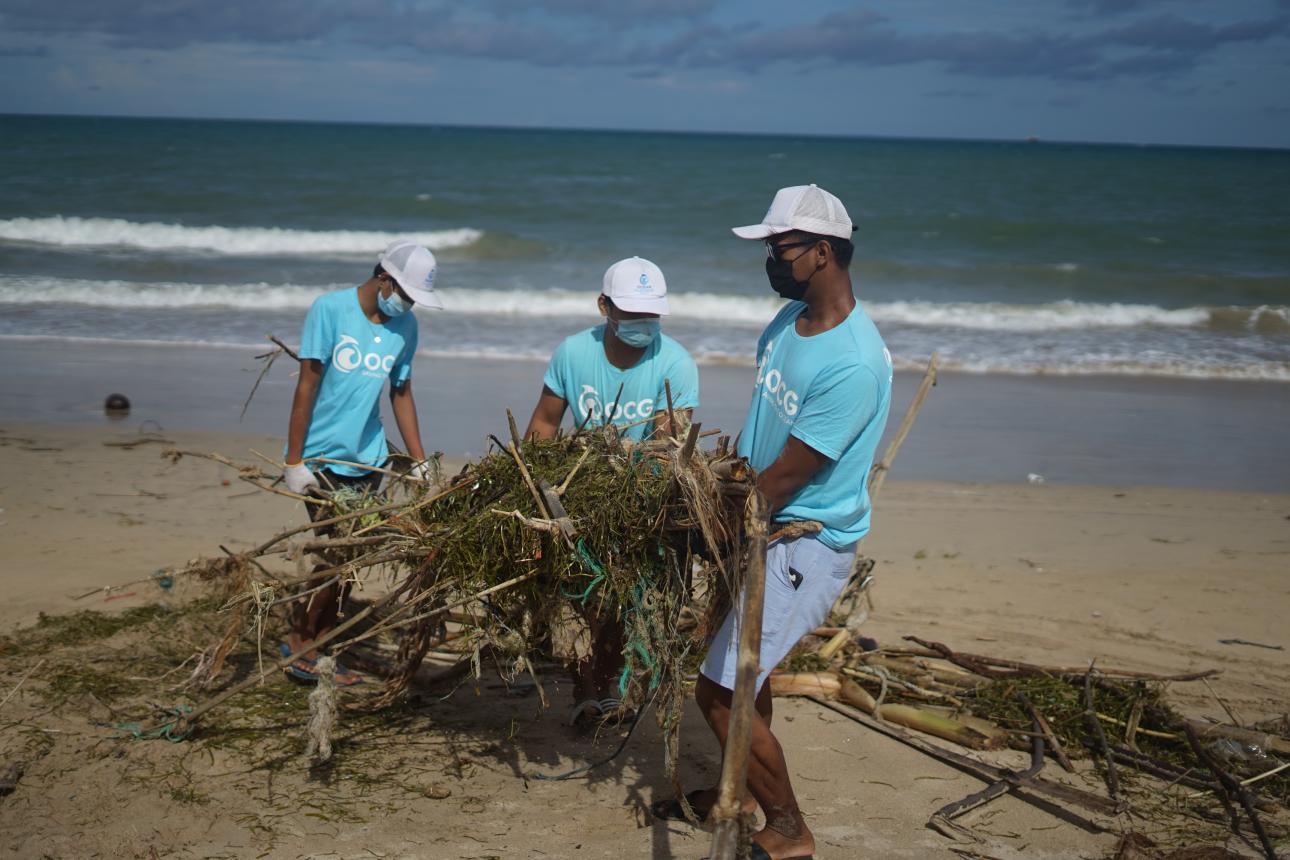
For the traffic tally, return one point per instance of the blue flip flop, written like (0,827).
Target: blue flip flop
(310,675)
(296,673)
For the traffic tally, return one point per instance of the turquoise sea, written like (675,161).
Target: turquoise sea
(1007,258)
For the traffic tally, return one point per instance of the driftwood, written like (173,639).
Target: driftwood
(1020,669)
(942,820)
(1024,790)
(977,734)
(859,584)
(725,815)
(1231,789)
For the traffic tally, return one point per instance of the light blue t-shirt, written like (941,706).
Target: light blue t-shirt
(358,357)
(581,374)
(832,391)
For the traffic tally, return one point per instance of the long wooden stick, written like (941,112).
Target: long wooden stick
(878,473)
(982,771)
(734,766)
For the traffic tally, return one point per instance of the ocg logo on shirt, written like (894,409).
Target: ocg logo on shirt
(348,356)
(589,404)
(775,387)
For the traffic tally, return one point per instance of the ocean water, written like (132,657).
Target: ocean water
(1007,258)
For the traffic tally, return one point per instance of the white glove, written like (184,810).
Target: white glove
(299,479)
(421,472)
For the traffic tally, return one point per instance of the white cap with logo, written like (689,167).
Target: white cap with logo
(637,286)
(414,267)
(808,208)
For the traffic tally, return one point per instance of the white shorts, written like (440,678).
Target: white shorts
(803,579)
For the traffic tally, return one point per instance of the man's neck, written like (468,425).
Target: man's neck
(367,293)
(621,355)
(829,301)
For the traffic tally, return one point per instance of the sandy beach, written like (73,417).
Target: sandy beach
(1144,578)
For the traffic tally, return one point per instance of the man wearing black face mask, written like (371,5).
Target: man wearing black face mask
(818,409)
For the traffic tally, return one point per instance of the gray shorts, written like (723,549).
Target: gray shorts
(803,579)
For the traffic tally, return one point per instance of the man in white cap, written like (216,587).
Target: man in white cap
(619,372)
(354,341)
(819,405)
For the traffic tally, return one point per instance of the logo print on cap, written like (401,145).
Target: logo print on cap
(643,286)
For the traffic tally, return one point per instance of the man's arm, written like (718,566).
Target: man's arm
(546,415)
(405,416)
(795,465)
(302,408)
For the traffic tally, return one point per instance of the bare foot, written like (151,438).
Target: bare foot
(782,847)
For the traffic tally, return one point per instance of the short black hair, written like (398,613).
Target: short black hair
(378,271)
(843,249)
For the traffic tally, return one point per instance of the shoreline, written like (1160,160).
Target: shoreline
(1123,431)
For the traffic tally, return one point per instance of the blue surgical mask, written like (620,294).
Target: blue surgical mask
(637,333)
(394,305)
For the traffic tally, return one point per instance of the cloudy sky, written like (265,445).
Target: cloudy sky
(1138,71)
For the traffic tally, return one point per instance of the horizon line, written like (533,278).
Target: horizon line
(1028,140)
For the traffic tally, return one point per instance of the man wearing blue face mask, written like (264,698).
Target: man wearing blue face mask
(354,341)
(616,372)
(620,367)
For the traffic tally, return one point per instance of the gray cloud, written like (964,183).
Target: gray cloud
(666,34)
(34,51)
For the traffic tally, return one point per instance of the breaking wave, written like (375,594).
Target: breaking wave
(236,241)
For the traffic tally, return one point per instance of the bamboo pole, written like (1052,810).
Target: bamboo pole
(734,767)
(878,474)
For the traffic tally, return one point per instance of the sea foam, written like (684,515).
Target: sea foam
(719,310)
(239,241)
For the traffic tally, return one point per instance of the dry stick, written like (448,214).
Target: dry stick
(1233,788)
(942,652)
(734,766)
(22,680)
(564,485)
(609,416)
(271,357)
(981,770)
(942,820)
(308,500)
(878,474)
(528,480)
(1090,716)
(671,414)
(1042,726)
(515,430)
(1230,715)
(288,350)
(383,625)
(331,521)
(691,439)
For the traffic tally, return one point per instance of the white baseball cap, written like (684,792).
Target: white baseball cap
(414,267)
(808,208)
(636,286)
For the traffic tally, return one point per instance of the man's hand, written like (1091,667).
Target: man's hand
(422,472)
(299,479)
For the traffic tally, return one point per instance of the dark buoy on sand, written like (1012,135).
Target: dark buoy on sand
(116,405)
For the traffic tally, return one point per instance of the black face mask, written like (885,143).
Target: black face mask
(780,274)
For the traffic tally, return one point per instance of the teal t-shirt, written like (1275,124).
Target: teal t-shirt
(358,357)
(833,392)
(581,374)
